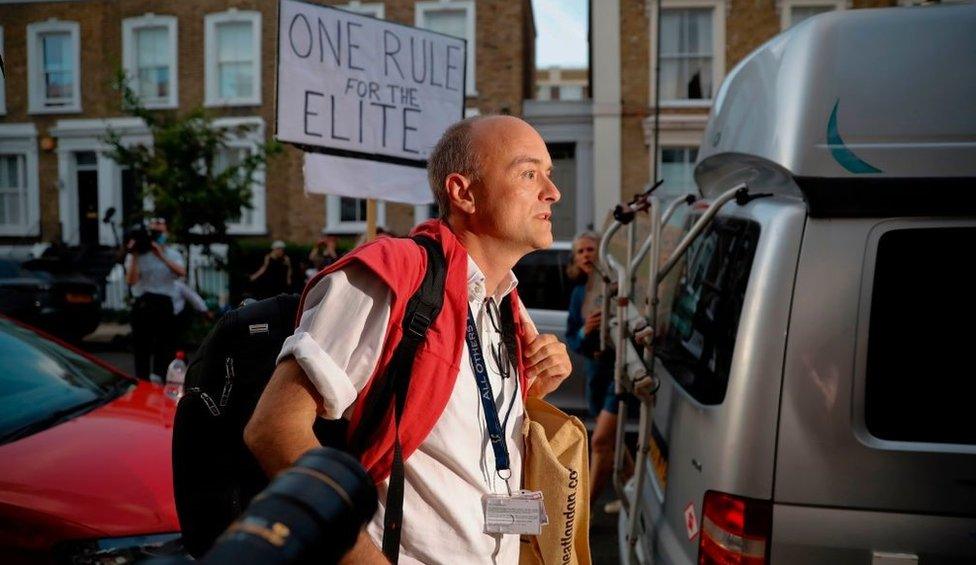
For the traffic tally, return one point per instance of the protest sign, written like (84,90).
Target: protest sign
(365,98)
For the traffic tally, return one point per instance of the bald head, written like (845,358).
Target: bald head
(500,127)
(464,148)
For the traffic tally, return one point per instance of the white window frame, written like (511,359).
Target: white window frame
(680,146)
(250,141)
(130,26)
(3,80)
(421,9)
(21,139)
(35,66)
(333,218)
(786,9)
(211,80)
(677,130)
(682,141)
(563,89)
(719,9)
(373,9)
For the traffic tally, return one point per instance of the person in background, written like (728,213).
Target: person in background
(187,303)
(151,271)
(583,337)
(321,256)
(274,275)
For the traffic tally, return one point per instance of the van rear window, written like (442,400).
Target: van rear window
(919,380)
(700,339)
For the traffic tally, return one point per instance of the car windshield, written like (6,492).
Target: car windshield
(42,382)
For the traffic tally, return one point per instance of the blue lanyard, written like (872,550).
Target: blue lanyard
(496,430)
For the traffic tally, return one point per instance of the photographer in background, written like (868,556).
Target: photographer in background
(151,271)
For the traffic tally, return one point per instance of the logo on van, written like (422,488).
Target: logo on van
(841,153)
(691,521)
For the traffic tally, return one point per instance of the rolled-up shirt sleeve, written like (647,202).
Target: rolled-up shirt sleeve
(340,336)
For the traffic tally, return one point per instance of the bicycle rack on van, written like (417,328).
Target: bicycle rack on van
(639,330)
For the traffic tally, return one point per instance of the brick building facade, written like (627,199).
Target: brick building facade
(710,37)
(58,100)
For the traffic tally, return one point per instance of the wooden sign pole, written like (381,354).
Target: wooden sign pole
(370,219)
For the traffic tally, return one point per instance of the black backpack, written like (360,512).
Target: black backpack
(214,473)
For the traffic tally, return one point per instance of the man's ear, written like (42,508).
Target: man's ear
(459,191)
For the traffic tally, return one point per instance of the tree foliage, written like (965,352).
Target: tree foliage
(183,174)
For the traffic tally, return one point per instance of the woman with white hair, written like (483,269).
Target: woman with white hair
(583,336)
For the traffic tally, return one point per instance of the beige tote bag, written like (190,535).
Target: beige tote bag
(556,462)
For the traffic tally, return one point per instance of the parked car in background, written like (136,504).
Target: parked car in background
(85,464)
(544,287)
(39,293)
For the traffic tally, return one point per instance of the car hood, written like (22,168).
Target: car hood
(24,282)
(106,473)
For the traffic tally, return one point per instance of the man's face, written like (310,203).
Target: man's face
(514,196)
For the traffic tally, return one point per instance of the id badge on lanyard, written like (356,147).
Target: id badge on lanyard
(522,512)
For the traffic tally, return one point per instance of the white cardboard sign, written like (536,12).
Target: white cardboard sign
(360,88)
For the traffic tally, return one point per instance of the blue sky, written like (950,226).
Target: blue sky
(561,32)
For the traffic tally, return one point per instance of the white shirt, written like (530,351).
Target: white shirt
(186,294)
(338,343)
(154,276)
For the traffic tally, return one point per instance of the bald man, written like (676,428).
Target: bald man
(491,177)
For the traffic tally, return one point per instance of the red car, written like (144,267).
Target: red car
(85,465)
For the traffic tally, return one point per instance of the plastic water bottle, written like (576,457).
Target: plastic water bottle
(175,375)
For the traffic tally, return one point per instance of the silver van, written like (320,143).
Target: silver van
(814,366)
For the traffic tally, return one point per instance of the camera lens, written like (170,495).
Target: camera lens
(312,511)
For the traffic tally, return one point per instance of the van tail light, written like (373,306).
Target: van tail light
(734,530)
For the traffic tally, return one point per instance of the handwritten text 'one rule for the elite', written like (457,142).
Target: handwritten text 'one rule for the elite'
(362,86)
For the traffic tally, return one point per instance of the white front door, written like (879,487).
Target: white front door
(89,181)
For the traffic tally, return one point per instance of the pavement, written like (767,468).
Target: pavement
(110,342)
